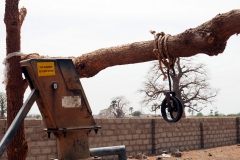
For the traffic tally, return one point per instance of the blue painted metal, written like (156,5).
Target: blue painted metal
(18,121)
(106,151)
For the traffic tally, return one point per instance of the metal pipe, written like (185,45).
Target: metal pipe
(113,150)
(18,121)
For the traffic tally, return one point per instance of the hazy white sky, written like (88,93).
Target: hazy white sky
(72,28)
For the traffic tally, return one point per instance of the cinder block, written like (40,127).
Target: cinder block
(136,136)
(138,131)
(129,148)
(128,126)
(132,142)
(163,135)
(3,131)
(124,132)
(128,136)
(31,158)
(163,145)
(166,139)
(125,121)
(46,150)
(169,144)
(35,151)
(36,122)
(34,137)
(121,137)
(106,139)
(42,157)
(125,143)
(32,144)
(114,138)
(29,130)
(39,130)
(135,148)
(54,149)
(142,136)
(108,133)
(3,123)
(118,120)
(41,143)
(27,122)
(146,141)
(139,142)
(142,147)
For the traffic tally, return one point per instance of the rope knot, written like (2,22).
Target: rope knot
(161,51)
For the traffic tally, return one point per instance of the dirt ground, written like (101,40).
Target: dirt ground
(219,153)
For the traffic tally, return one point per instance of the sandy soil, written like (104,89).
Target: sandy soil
(219,153)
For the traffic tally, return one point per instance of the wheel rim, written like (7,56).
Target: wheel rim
(171,112)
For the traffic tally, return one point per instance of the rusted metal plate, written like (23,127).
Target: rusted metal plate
(69,74)
(62,101)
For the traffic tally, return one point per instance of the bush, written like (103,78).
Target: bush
(136,113)
(199,114)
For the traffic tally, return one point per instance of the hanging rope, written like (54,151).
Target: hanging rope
(161,51)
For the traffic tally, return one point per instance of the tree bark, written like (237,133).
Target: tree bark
(13,19)
(209,38)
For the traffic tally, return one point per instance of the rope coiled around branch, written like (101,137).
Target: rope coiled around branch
(161,51)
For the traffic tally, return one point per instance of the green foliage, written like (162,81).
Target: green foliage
(136,113)
(232,114)
(38,116)
(199,114)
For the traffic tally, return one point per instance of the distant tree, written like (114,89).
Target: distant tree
(118,106)
(154,108)
(199,114)
(190,84)
(103,113)
(221,114)
(136,113)
(211,112)
(131,110)
(191,111)
(238,114)
(216,113)
(3,105)
(38,116)
(232,114)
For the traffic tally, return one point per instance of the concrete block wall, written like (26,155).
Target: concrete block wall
(133,133)
(40,147)
(219,131)
(139,135)
(182,135)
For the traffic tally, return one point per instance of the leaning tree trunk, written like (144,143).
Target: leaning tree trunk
(13,19)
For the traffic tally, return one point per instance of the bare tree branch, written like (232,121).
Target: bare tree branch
(209,38)
(191,85)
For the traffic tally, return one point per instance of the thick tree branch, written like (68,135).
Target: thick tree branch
(209,38)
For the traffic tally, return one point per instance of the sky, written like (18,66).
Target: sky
(73,28)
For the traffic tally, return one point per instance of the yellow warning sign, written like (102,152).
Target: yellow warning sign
(46,69)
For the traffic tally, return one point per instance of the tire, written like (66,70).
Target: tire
(172,113)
